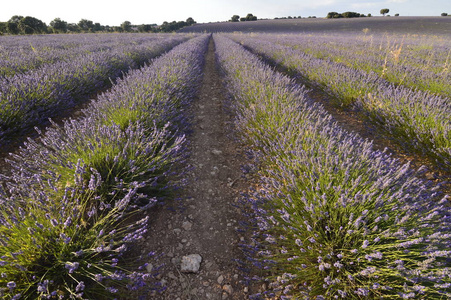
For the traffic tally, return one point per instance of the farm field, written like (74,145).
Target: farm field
(296,163)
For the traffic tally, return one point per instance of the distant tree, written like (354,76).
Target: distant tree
(444,14)
(333,15)
(30,25)
(12,26)
(126,26)
(235,18)
(145,28)
(396,15)
(350,14)
(250,17)
(384,11)
(58,25)
(72,27)
(369,15)
(85,25)
(190,21)
(3,28)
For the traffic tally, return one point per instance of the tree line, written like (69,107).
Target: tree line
(30,25)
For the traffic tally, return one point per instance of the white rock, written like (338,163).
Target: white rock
(187,225)
(191,263)
(216,152)
(220,279)
(149,268)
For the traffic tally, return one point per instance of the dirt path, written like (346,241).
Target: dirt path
(204,222)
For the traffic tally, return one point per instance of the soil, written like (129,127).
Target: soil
(206,220)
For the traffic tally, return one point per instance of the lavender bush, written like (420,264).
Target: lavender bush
(418,120)
(334,219)
(31,97)
(72,206)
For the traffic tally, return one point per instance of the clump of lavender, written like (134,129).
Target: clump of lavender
(398,110)
(334,218)
(70,248)
(29,98)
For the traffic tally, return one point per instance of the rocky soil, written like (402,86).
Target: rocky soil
(202,227)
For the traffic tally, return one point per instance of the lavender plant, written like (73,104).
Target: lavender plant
(30,98)
(69,249)
(334,219)
(418,120)
(71,208)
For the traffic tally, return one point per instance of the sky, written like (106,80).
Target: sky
(114,12)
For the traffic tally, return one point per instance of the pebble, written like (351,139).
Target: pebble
(191,263)
(220,279)
(216,152)
(149,268)
(228,289)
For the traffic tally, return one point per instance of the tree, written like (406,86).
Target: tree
(72,27)
(235,18)
(12,26)
(190,21)
(251,17)
(30,25)
(126,26)
(333,15)
(58,25)
(384,11)
(444,14)
(85,25)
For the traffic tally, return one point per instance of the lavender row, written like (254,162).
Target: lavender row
(19,54)
(413,62)
(333,219)
(30,98)
(75,203)
(418,120)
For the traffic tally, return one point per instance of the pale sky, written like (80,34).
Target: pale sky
(114,12)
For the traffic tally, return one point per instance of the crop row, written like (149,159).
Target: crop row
(19,54)
(72,208)
(333,219)
(414,63)
(26,99)
(417,120)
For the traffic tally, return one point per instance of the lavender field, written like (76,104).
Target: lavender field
(327,215)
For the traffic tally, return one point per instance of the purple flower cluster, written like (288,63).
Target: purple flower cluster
(30,97)
(418,120)
(65,221)
(336,219)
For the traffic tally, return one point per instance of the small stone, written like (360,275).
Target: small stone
(206,283)
(177,231)
(220,279)
(191,263)
(246,289)
(149,268)
(228,289)
(216,152)
(225,296)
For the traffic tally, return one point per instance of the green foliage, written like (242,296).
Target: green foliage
(249,17)
(348,14)
(58,25)
(30,25)
(126,26)
(444,14)
(384,11)
(235,18)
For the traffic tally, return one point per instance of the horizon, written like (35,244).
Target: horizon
(153,12)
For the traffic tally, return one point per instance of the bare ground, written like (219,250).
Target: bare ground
(205,222)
